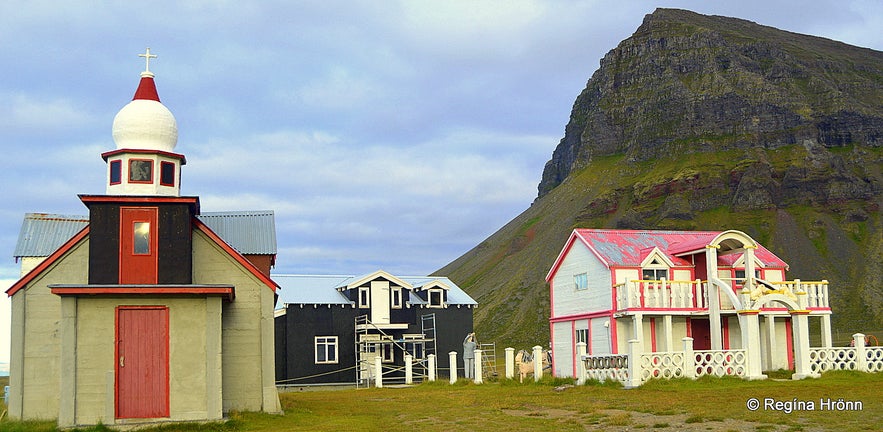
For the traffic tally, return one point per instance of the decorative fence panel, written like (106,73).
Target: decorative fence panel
(720,363)
(607,368)
(662,294)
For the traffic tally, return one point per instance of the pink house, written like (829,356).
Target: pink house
(722,289)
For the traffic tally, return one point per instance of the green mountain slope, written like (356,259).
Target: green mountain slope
(713,123)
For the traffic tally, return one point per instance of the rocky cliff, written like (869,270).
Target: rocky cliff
(707,122)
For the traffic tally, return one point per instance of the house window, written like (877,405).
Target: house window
(326,349)
(396,294)
(116,171)
(740,274)
(582,335)
(654,274)
(140,171)
(387,352)
(167,174)
(436,298)
(363,298)
(581,281)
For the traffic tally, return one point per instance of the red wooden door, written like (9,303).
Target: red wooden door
(142,362)
(138,243)
(701,330)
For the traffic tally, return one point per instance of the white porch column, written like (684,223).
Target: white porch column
(638,332)
(409,369)
(580,364)
(452,357)
(800,331)
(477,365)
(714,302)
(537,362)
(510,363)
(773,349)
(750,326)
(748,286)
(378,372)
(430,359)
(666,333)
(826,331)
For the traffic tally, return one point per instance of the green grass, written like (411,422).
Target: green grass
(708,403)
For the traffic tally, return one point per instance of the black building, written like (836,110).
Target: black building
(330,329)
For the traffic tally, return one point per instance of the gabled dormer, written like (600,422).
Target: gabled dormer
(656,265)
(434,294)
(378,295)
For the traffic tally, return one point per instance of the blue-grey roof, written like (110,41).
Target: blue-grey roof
(249,232)
(42,233)
(323,289)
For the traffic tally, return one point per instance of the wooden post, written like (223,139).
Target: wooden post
(510,363)
(861,356)
(477,365)
(580,363)
(378,372)
(537,362)
(689,358)
(634,366)
(409,369)
(430,359)
(452,357)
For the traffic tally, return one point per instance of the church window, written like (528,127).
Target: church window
(116,171)
(140,171)
(326,349)
(141,243)
(581,281)
(167,174)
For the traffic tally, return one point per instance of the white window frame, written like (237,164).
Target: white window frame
(655,271)
(581,281)
(364,297)
(396,300)
(326,345)
(441,298)
(387,351)
(581,335)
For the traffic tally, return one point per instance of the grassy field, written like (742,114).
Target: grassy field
(703,405)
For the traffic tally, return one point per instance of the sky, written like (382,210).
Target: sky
(390,135)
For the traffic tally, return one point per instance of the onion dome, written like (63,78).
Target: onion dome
(145,123)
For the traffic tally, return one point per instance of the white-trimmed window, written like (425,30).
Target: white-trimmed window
(582,335)
(396,294)
(654,274)
(364,297)
(326,349)
(436,298)
(386,352)
(414,346)
(581,281)
(740,274)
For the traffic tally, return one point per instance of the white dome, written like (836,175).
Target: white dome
(145,124)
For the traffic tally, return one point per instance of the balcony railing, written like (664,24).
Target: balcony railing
(661,294)
(693,294)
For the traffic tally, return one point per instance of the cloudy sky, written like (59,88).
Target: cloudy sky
(384,134)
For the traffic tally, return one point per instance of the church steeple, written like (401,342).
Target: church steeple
(145,133)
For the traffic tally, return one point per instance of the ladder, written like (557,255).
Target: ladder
(488,359)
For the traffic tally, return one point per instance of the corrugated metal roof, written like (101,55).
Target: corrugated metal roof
(322,289)
(629,248)
(43,233)
(249,232)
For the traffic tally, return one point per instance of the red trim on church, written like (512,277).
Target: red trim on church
(26,279)
(180,157)
(227,291)
(236,255)
(146,90)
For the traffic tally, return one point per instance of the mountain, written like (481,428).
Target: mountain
(708,123)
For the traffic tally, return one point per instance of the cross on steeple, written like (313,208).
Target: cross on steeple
(147,56)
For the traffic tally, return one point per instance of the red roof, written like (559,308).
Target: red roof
(146,89)
(628,248)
